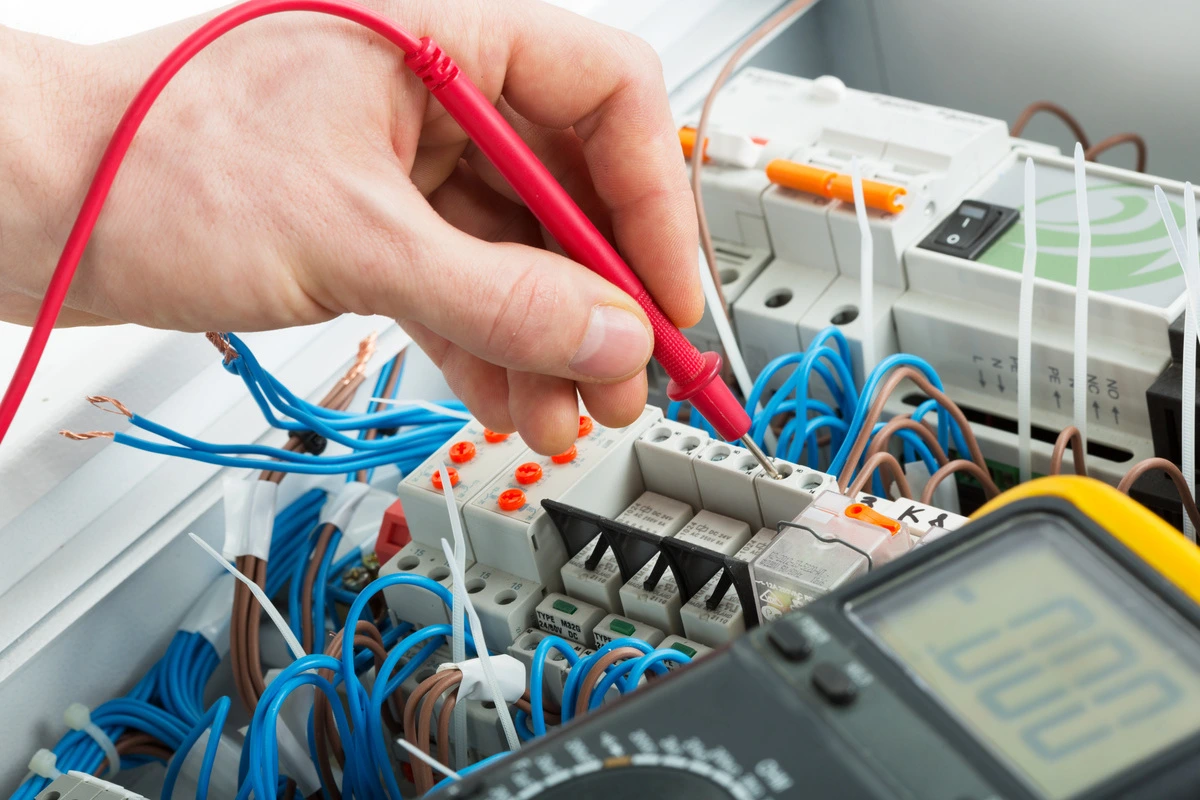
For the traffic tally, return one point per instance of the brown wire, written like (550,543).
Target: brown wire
(1104,145)
(875,462)
(1052,108)
(137,744)
(443,726)
(905,422)
(1069,437)
(418,714)
(765,29)
(310,580)
(1142,467)
(597,671)
(876,411)
(990,489)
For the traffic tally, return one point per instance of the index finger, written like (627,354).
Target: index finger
(565,71)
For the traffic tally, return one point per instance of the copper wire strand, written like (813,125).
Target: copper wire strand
(958,465)
(1173,472)
(1069,437)
(769,26)
(1116,139)
(224,347)
(85,435)
(875,411)
(99,401)
(1051,108)
(875,462)
(597,671)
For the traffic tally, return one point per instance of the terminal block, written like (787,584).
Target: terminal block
(835,540)
(506,523)
(614,626)
(713,616)
(78,786)
(412,603)
(569,618)
(664,453)
(506,604)
(556,664)
(689,648)
(597,578)
(474,457)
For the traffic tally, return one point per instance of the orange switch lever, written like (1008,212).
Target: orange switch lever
(876,194)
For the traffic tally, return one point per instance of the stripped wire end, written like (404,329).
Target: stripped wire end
(98,400)
(82,437)
(222,344)
(366,349)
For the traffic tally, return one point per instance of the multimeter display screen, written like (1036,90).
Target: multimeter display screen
(1055,658)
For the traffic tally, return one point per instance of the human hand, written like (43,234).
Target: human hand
(296,170)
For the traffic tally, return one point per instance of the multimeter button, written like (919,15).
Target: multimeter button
(791,643)
(833,684)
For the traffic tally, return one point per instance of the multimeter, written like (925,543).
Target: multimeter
(1049,649)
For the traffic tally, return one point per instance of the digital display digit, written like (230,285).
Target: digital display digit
(1048,652)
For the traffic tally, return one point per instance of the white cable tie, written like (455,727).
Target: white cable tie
(458,646)
(1025,329)
(733,353)
(44,764)
(1189,259)
(1188,460)
(866,270)
(259,595)
(415,751)
(425,404)
(249,517)
(485,659)
(79,718)
(510,674)
(1083,266)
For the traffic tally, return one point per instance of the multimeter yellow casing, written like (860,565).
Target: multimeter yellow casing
(1126,520)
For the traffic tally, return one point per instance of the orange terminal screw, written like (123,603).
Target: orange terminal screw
(493,437)
(529,472)
(437,478)
(510,499)
(566,456)
(585,426)
(462,452)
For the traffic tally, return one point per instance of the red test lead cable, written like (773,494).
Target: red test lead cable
(695,377)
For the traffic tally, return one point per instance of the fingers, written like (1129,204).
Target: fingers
(564,71)
(615,405)
(515,306)
(483,387)
(545,410)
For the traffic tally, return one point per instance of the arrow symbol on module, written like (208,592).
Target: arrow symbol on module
(1116,416)
(1096,408)
(1057,399)
(982,380)
(1000,383)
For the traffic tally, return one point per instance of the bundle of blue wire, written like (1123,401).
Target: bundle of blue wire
(828,357)
(421,430)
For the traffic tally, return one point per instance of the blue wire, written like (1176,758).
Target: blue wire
(213,720)
(647,662)
(537,676)
(467,770)
(319,587)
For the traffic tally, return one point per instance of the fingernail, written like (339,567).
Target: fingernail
(616,343)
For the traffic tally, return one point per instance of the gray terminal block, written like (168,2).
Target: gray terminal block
(664,453)
(651,512)
(691,649)
(568,617)
(724,623)
(557,667)
(412,603)
(505,603)
(780,500)
(477,457)
(78,786)
(725,474)
(615,626)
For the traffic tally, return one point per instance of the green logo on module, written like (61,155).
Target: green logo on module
(1130,246)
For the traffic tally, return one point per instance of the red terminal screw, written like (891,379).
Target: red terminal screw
(493,437)
(510,499)
(527,473)
(565,457)
(437,478)
(462,452)
(585,426)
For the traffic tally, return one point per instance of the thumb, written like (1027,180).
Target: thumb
(526,309)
